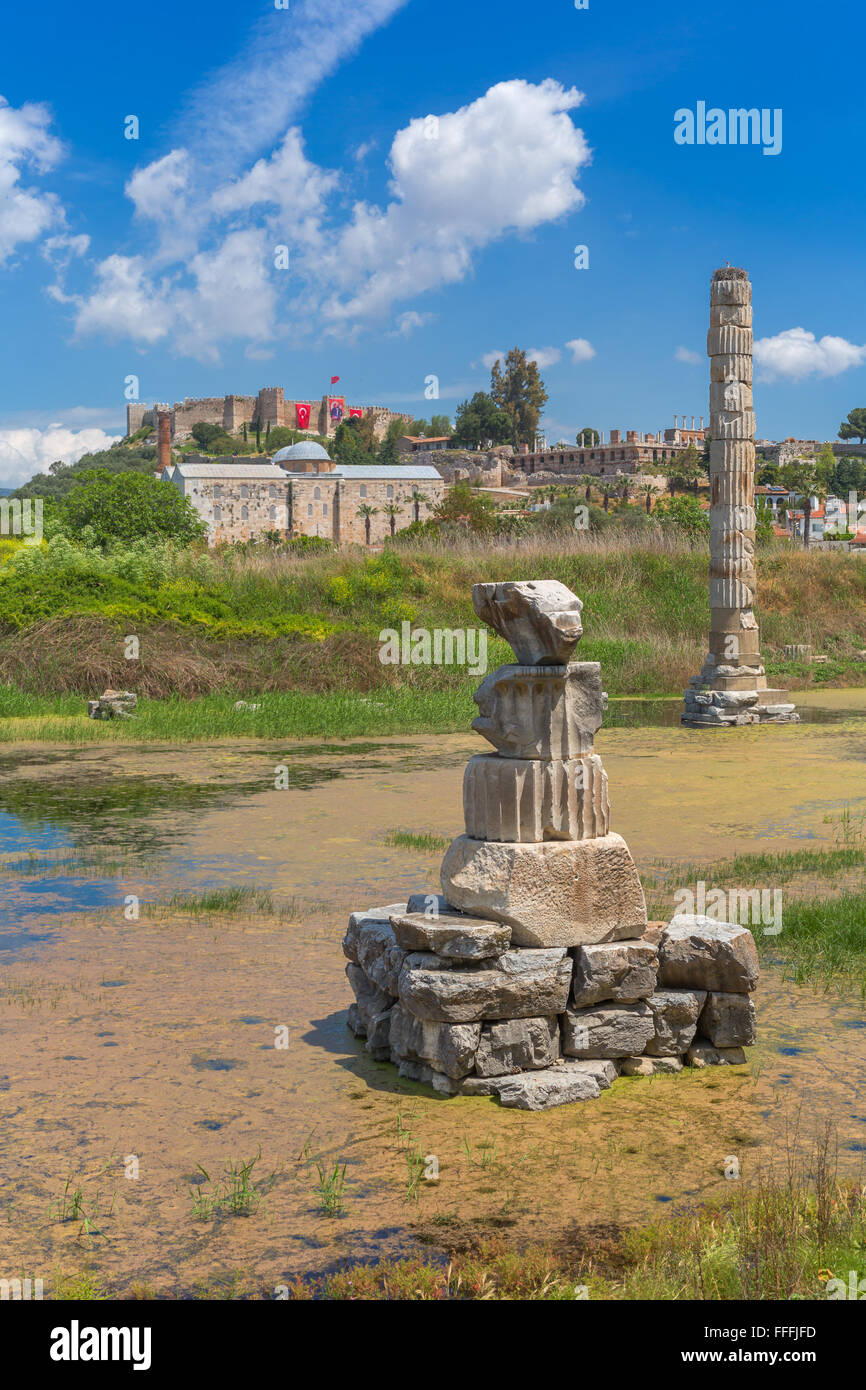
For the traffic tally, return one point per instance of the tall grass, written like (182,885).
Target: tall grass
(269,621)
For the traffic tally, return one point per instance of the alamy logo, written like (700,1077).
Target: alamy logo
(442,647)
(76,1343)
(17,518)
(747,907)
(737,126)
(20,1290)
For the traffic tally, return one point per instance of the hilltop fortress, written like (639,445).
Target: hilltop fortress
(269,407)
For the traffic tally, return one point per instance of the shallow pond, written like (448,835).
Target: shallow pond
(152,1037)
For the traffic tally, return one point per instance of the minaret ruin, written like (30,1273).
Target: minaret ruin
(732,686)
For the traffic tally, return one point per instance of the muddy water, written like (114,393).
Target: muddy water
(153,1039)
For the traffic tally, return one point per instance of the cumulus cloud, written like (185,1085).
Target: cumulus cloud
(24,452)
(581,349)
(26,144)
(504,164)
(544,357)
(684,354)
(796,353)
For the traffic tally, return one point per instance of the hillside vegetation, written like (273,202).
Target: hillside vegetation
(247,623)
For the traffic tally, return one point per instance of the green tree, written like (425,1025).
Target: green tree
(592,437)
(683,514)
(466,505)
(207,435)
(855,425)
(480,422)
(367,512)
(350,444)
(517,388)
(849,475)
(800,477)
(392,511)
(686,469)
(439,425)
(418,499)
(129,507)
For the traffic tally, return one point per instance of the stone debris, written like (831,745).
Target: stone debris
(455,936)
(539,619)
(534,976)
(621,971)
(700,953)
(676,1013)
(112,704)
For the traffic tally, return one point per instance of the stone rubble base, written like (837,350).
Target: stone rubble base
(451,1002)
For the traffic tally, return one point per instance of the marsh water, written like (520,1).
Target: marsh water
(136,1025)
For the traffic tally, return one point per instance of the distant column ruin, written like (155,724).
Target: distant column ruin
(732,686)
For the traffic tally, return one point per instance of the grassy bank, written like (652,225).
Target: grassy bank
(266,622)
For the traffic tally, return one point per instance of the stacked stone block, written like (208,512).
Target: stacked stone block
(732,688)
(535,976)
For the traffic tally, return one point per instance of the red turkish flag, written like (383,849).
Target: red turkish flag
(303,415)
(334,380)
(355,412)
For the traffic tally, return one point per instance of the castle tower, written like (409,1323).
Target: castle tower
(732,686)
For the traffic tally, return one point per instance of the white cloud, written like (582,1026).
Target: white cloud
(504,164)
(684,354)
(796,353)
(24,452)
(26,213)
(581,349)
(490,359)
(544,357)
(408,322)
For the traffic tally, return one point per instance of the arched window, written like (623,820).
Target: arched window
(245,492)
(217,491)
(217,513)
(272,491)
(362,491)
(309,509)
(324,509)
(245,513)
(317,493)
(272,513)
(389,491)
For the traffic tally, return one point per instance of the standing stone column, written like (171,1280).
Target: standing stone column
(732,686)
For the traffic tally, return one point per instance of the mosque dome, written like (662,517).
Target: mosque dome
(295,456)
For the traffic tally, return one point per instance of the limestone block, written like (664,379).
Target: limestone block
(732,289)
(608,1030)
(732,456)
(370,999)
(676,1013)
(420,1071)
(379,915)
(469,996)
(703,1054)
(729,425)
(651,1066)
(621,971)
(453,936)
(541,1090)
(730,394)
(446,1047)
(736,341)
(540,712)
(527,800)
(697,952)
(738,315)
(560,893)
(737,365)
(517,1044)
(431,904)
(540,619)
(728,1020)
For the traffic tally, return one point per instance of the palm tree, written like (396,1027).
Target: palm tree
(416,499)
(801,478)
(367,512)
(392,511)
(586,481)
(649,492)
(606,502)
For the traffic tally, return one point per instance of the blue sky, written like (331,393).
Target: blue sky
(417,250)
